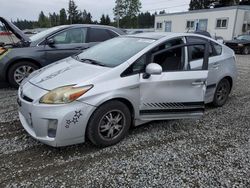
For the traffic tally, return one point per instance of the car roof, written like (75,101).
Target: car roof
(160,35)
(117,30)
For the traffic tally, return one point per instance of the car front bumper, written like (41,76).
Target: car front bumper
(54,125)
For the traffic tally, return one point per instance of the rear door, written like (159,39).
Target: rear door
(66,43)
(195,57)
(177,92)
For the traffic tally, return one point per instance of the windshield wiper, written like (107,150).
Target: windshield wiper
(93,62)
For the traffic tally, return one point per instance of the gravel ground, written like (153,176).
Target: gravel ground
(211,152)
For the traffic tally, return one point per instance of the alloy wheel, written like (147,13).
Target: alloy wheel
(22,72)
(222,92)
(111,124)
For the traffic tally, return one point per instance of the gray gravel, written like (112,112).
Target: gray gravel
(211,152)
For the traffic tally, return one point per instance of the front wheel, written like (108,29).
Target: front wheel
(109,124)
(221,93)
(19,71)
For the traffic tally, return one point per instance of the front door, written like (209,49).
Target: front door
(168,26)
(202,26)
(177,92)
(66,43)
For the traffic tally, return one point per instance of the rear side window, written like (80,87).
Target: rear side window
(99,35)
(196,52)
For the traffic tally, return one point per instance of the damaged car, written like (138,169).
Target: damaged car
(100,93)
(19,59)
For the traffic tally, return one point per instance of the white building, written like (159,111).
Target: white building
(227,22)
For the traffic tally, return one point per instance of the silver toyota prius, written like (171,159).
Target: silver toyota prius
(122,82)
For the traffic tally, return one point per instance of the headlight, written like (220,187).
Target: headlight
(240,45)
(63,95)
(2,51)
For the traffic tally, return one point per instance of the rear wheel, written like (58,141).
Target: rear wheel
(109,124)
(246,50)
(19,71)
(221,93)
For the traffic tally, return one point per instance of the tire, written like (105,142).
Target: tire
(246,50)
(99,128)
(19,71)
(221,93)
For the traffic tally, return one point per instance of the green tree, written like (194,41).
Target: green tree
(126,11)
(199,4)
(103,20)
(43,21)
(73,13)
(108,20)
(53,19)
(63,17)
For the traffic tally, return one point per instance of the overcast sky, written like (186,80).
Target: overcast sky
(30,9)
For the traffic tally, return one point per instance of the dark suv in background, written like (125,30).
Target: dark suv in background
(18,60)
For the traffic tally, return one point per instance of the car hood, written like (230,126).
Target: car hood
(237,42)
(16,31)
(65,72)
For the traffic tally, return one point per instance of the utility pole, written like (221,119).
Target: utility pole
(118,13)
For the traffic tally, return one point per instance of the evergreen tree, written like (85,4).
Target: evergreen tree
(74,14)
(103,20)
(43,21)
(108,21)
(127,11)
(63,17)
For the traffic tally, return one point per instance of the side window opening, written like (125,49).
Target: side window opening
(99,35)
(170,60)
(77,35)
(196,52)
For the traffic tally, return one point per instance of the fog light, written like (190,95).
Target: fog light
(52,127)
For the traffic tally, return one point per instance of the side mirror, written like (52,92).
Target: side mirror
(50,42)
(152,69)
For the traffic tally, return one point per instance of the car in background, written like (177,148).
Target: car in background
(240,44)
(128,80)
(18,60)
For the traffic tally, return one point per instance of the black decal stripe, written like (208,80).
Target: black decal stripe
(171,111)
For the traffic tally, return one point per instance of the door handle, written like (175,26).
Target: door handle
(198,83)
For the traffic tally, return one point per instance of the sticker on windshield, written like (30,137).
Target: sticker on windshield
(146,40)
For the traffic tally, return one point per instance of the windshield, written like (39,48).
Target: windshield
(42,34)
(244,37)
(115,51)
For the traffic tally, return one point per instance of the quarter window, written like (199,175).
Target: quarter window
(136,67)
(222,23)
(77,35)
(99,35)
(217,49)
